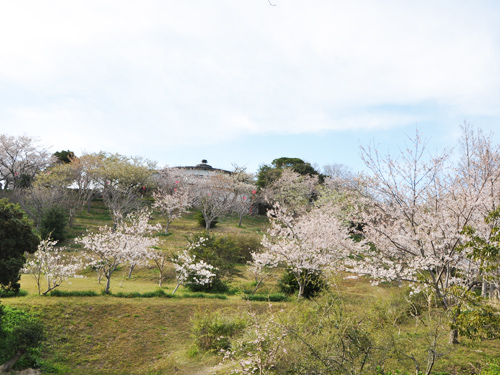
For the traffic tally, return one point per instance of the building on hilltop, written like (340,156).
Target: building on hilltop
(199,170)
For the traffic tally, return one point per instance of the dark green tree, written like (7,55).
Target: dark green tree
(269,173)
(54,223)
(64,156)
(16,238)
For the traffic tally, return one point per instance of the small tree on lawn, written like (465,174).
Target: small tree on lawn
(49,262)
(214,197)
(130,241)
(309,243)
(189,271)
(171,206)
(261,267)
(160,258)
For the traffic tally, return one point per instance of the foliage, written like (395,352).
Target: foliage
(247,245)
(16,238)
(221,252)
(64,156)
(212,331)
(53,225)
(473,318)
(314,283)
(21,335)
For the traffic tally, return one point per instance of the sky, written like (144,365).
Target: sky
(247,81)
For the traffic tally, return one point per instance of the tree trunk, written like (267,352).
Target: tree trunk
(175,290)
(89,201)
(302,286)
(241,219)
(257,286)
(107,284)
(9,364)
(130,271)
(453,336)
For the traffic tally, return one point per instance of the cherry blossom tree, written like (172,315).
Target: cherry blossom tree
(21,157)
(189,271)
(261,267)
(214,197)
(49,262)
(417,209)
(171,206)
(130,242)
(160,259)
(292,190)
(305,244)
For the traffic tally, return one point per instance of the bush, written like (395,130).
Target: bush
(73,293)
(213,331)
(219,251)
(246,246)
(314,285)
(201,220)
(216,286)
(277,297)
(20,331)
(54,223)
(13,293)
(203,295)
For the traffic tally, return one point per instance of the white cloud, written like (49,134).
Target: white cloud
(209,72)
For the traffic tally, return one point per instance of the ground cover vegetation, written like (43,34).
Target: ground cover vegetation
(395,272)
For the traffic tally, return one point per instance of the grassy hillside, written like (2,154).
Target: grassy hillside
(111,335)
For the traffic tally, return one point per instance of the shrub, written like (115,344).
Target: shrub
(213,331)
(54,223)
(215,286)
(289,285)
(203,295)
(73,293)
(220,252)
(22,332)
(246,246)
(5,293)
(277,297)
